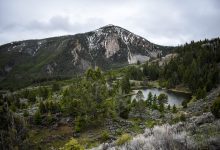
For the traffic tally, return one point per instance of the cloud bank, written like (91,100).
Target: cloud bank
(169,22)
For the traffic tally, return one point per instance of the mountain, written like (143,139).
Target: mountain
(108,47)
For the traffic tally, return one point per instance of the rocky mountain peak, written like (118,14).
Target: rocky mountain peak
(114,39)
(106,47)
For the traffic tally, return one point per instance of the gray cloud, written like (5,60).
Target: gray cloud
(169,22)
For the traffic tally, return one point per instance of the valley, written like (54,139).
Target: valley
(109,89)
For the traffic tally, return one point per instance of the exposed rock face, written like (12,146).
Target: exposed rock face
(75,52)
(111,46)
(105,47)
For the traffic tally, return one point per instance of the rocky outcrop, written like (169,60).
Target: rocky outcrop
(114,125)
(202,105)
(111,46)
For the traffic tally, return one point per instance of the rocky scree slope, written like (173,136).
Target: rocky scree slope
(107,47)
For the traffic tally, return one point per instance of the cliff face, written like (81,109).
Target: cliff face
(107,47)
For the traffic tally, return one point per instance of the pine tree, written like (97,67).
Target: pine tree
(154,104)
(139,95)
(162,98)
(150,99)
(125,85)
(168,107)
(161,107)
(174,109)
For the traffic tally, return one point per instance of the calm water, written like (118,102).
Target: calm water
(173,97)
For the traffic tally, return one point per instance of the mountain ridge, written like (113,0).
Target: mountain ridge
(106,47)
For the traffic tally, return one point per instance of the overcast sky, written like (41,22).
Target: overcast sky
(165,22)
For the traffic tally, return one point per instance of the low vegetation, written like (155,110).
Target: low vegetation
(215,108)
(123,139)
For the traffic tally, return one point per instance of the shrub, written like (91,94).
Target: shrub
(174,109)
(42,107)
(31,96)
(49,118)
(80,123)
(105,136)
(124,113)
(26,113)
(184,103)
(123,139)
(37,118)
(73,145)
(150,123)
(182,117)
(215,108)
(165,137)
(43,92)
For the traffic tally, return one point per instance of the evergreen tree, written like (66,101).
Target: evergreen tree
(174,109)
(125,85)
(154,104)
(161,107)
(139,95)
(162,98)
(150,99)
(13,129)
(168,107)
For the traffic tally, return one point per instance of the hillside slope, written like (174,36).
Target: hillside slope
(107,47)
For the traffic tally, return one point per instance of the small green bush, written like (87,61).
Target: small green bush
(123,139)
(150,123)
(105,136)
(215,108)
(49,118)
(73,145)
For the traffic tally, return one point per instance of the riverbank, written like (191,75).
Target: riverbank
(155,84)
